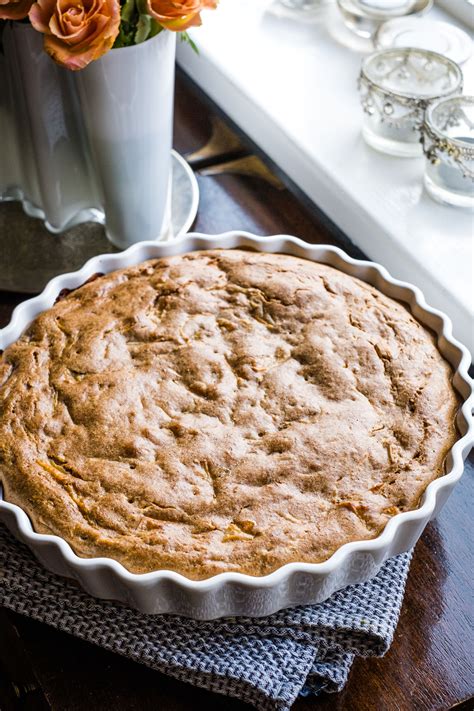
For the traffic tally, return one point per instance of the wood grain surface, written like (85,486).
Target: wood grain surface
(430,664)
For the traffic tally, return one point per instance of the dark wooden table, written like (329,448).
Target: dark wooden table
(430,664)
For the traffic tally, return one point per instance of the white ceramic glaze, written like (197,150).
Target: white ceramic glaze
(47,163)
(127,103)
(83,144)
(293,584)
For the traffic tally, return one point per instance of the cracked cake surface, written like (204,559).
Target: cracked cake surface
(220,411)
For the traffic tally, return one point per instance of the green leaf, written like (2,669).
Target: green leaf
(127,11)
(184,37)
(143,28)
(126,34)
(155,28)
(136,25)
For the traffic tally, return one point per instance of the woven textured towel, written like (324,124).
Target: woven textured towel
(267,662)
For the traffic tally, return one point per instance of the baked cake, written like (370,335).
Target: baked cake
(222,410)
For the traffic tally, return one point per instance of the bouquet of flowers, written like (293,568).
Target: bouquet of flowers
(78,31)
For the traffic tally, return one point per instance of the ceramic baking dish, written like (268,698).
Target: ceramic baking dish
(231,594)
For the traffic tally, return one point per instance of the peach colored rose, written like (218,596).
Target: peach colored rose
(76,31)
(14,9)
(178,15)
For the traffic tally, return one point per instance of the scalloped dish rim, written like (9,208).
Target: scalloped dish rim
(26,311)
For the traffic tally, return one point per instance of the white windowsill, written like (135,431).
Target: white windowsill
(291,86)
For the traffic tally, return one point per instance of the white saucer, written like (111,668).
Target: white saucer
(35,255)
(441,37)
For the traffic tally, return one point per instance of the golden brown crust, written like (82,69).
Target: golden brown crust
(222,410)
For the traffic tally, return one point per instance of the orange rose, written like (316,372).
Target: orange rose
(76,31)
(178,15)
(14,9)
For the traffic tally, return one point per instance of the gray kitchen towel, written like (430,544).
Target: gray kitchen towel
(266,661)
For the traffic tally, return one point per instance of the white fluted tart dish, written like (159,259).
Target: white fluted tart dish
(227,425)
